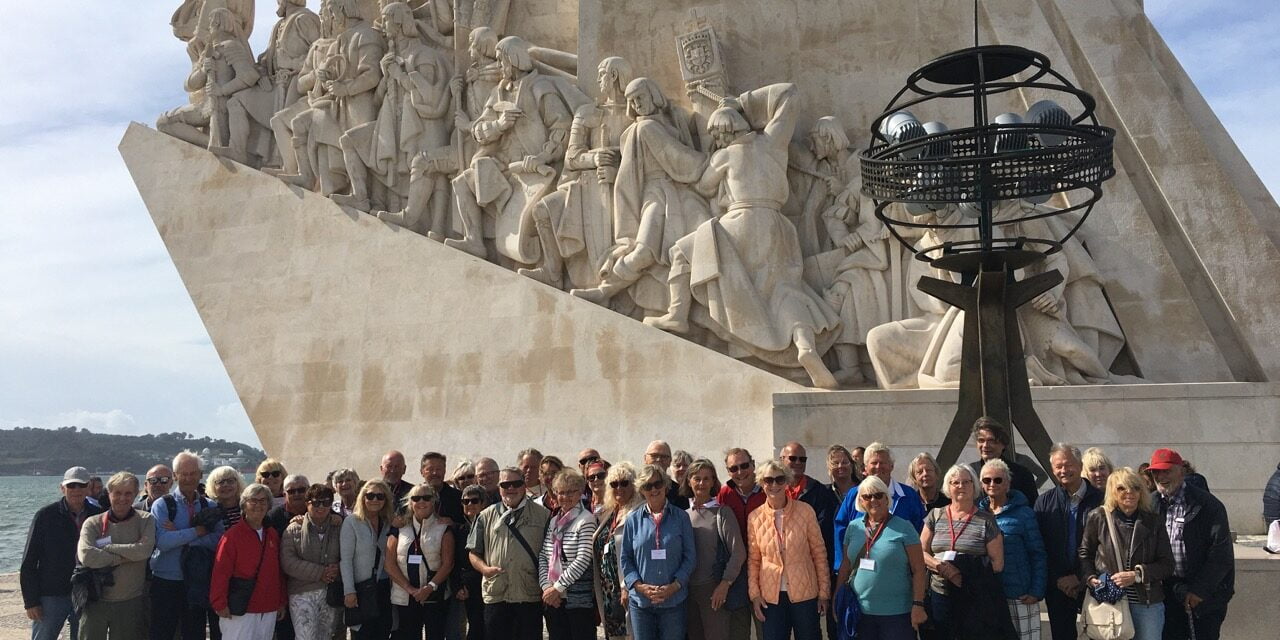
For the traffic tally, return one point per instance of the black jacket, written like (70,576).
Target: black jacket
(1021,478)
(1206,537)
(1052,512)
(1150,550)
(823,500)
(449,505)
(978,607)
(50,555)
(1271,499)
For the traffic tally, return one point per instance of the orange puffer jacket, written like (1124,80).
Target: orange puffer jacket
(805,562)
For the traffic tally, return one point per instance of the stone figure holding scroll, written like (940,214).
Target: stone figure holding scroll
(575,224)
(522,134)
(225,66)
(413,116)
(745,267)
(654,204)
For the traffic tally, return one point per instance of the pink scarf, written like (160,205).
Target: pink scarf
(557,544)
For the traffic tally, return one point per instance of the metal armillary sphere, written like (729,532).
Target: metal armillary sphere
(974,189)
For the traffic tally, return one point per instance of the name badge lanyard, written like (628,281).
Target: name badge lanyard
(871,538)
(657,529)
(951,526)
(106,522)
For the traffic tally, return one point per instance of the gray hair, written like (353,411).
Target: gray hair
(296,478)
(875,448)
(187,455)
(921,458)
(462,469)
(872,484)
(999,466)
(120,478)
(254,490)
(954,471)
(345,472)
(649,472)
(1069,449)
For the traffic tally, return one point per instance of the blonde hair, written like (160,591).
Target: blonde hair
(388,504)
(270,464)
(875,484)
(921,458)
(621,471)
(771,467)
(568,480)
(120,478)
(1129,479)
(217,475)
(1094,457)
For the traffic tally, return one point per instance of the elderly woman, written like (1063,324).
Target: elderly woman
(789,580)
(657,559)
(883,557)
(597,473)
(1097,466)
(467,602)
(1025,568)
(224,486)
(926,477)
(346,483)
(247,589)
(962,547)
(419,560)
(309,558)
(463,476)
(564,565)
(364,536)
(271,473)
(840,468)
(721,553)
(620,499)
(1128,517)
(547,470)
(122,538)
(680,461)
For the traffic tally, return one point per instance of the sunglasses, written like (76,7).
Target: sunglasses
(270,474)
(227,481)
(995,481)
(159,480)
(587,460)
(511,484)
(422,498)
(879,495)
(471,501)
(76,485)
(296,492)
(619,484)
(597,477)
(742,467)
(774,480)
(800,459)
(375,496)
(325,504)
(652,486)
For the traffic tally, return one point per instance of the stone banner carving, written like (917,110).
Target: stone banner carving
(743,235)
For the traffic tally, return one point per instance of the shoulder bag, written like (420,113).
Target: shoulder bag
(367,609)
(1101,620)
(240,590)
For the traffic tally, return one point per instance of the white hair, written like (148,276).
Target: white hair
(954,471)
(188,455)
(999,466)
(296,477)
(870,484)
(875,448)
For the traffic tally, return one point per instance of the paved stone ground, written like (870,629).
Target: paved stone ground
(13,619)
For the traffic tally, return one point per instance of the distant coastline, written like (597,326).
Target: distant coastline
(32,451)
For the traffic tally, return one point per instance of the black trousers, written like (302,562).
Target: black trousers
(416,616)
(170,613)
(570,624)
(1062,612)
(513,620)
(379,629)
(1177,625)
(474,605)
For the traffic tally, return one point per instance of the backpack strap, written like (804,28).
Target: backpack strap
(171,504)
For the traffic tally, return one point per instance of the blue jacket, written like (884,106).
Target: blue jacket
(1025,569)
(638,545)
(906,505)
(1053,512)
(167,562)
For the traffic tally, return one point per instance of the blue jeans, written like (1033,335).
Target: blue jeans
(786,617)
(658,623)
(55,611)
(1148,620)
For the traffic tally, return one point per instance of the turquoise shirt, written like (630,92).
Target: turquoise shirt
(887,590)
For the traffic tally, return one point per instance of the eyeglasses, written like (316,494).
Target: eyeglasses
(324,504)
(774,480)
(800,459)
(741,467)
(261,501)
(960,483)
(76,485)
(995,481)
(375,496)
(226,481)
(270,474)
(159,480)
(471,501)
(296,491)
(652,486)
(422,498)
(619,484)
(597,477)
(582,462)
(879,495)
(511,484)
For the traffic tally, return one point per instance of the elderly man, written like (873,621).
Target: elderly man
(659,453)
(121,539)
(502,546)
(393,467)
(1061,513)
(585,458)
(742,495)
(158,483)
(992,441)
(50,556)
(295,503)
(530,463)
(187,526)
(448,498)
(487,477)
(1203,558)
(906,503)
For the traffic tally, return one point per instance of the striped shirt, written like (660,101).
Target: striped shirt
(1175,512)
(566,550)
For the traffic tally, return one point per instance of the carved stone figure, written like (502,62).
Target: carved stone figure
(522,133)
(415,100)
(225,66)
(191,22)
(575,224)
(310,85)
(745,266)
(249,112)
(653,202)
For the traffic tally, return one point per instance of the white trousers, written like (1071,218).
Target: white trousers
(250,626)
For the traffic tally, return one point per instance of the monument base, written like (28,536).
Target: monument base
(1227,430)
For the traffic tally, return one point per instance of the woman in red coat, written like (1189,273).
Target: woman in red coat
(249,551)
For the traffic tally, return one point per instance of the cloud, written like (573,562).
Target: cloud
(114,421)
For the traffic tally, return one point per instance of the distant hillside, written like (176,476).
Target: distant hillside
(31,451)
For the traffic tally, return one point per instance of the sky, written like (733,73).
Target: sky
(96,328)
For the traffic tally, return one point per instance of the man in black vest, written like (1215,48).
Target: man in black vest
(1061,513)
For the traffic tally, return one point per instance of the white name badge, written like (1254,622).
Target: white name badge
(102,542)
(658,554)
(415,559)
(947,556)
(866,564)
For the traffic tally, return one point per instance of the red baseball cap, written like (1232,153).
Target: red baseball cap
(1163,459)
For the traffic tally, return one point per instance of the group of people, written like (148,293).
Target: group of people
(658,550)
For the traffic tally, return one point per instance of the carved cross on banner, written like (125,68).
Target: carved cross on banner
(701,63)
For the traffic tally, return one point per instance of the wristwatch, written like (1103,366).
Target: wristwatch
(918,603)
(433,585)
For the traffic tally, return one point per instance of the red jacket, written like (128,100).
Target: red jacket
(730,497)
(238,555)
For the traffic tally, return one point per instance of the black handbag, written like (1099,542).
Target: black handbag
(366,609)
(334,594)
(240,590)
